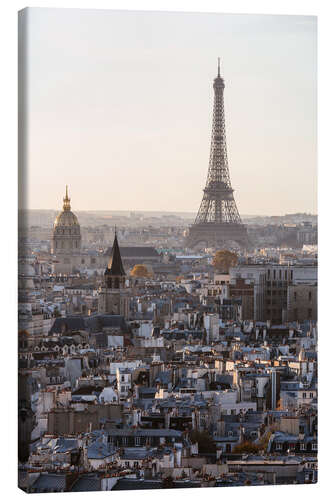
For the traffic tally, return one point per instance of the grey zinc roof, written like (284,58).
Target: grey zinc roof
(144,432)
(136,453)
(147,390)
(99,450)
(93,323)
(89,482)
(137,484)
(50,482)
(63,445)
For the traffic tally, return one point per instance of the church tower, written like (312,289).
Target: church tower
(113,295)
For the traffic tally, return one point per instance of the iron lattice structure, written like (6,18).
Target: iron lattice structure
(218,219)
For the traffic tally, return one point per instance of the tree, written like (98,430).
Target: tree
(246,447)
(223,260)
(140,271)
(168,482)
(56,312)
(206,443)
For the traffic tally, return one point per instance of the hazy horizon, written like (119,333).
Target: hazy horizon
(120,109)
(138,211)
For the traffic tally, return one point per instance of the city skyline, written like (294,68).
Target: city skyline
(167,303)
(125,134)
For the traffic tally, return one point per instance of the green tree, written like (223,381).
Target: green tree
(206,443)
(56,313)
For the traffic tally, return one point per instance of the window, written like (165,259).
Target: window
(309,313)
(304,395)
(302,446)
(278,446)
(310,295)
(295,295)
(311,395)
(314,446)
(274,274)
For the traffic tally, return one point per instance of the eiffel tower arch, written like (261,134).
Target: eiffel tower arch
(218,221)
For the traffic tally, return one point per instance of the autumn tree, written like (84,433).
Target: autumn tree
(140,271)
(246,447)
(223,260)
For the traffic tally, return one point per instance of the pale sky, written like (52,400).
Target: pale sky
(120,109)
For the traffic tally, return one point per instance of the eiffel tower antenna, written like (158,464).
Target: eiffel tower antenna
(218,220)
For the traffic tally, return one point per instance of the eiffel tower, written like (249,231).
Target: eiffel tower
(218,221)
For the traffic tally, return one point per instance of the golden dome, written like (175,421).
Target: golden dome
(66,218)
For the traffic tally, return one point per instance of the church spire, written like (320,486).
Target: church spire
(115,266)
(67,205)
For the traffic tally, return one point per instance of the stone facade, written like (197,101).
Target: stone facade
(68,421)
(302,302)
